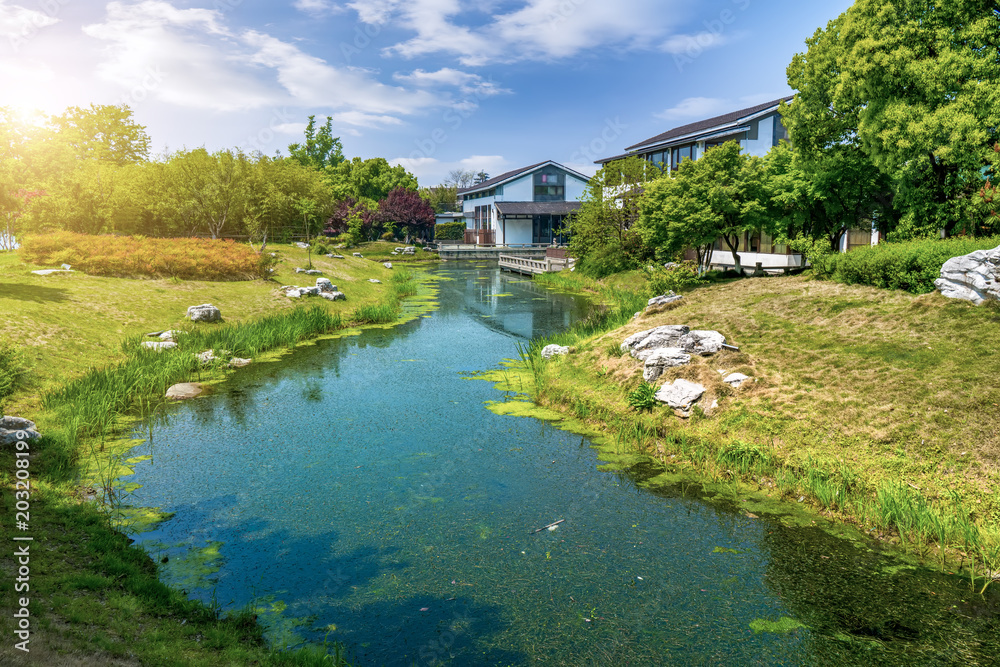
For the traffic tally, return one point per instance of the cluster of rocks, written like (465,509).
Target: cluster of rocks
(309,272)
(332,256)
(304,246)
(974,277)
(672,346)
(16,429)
(387,265)
(324,289)
(408,250)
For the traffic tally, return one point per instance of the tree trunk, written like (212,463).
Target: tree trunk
(733,246)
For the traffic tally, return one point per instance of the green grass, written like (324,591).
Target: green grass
(95,597)
(865,402)
(381,251)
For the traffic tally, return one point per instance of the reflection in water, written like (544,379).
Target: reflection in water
(361,489)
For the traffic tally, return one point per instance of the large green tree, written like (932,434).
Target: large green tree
(321,149)
(916,85)
(370,180)
(720,196)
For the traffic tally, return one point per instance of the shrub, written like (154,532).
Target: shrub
(912,266)
(12,369)
(606,261)
(642,397)
(320,249)
(140,257)
(678,276)
(388,236)
(450,231)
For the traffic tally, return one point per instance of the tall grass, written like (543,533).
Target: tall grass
(12,369)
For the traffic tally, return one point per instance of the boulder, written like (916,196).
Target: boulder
(293,293)
(302,245)
(662,359)
(664,300)
(644,343)
(358,254)
(49,272)
(336,257)
(170,336)
(204,313)
(680,395)
(66,267)
(334,296)
(974,277)
(373,280)
(309,291)
(313,272)
(159,347)
(554,351)
(325,286)
(736,380)
(399,249)
(184,390)
(206,357)
(236,362)
(17,429)
(387,265)
(704,343)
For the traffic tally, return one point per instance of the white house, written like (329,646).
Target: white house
(758,129)
(523,206)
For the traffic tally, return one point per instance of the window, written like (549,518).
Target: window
(550,186)
(681,154)
(659,159)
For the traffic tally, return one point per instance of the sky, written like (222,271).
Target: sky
(434,85)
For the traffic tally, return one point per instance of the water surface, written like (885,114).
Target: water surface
(360,490)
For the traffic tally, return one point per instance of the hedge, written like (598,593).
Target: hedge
(450,231)
(912,266)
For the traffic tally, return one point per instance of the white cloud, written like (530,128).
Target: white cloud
(694,45)
(187,57)
(466,82)
(536,30)
(18,22)
(317,7)
(431,171)
(697,108)
(290,128)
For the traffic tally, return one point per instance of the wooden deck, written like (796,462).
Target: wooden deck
(535,266)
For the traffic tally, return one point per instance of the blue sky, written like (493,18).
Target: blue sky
(431,84)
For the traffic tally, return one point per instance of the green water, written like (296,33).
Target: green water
(360,491)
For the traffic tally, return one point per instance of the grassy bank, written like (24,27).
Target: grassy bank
(94,598)
(878,407)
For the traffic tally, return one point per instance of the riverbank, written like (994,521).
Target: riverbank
(93,597)
(877,407)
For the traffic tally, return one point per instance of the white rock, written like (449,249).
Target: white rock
(666,299)
(736,380)
(206,357)
(236,362)
(293,293)
(325,286)
(334,296)
(336,256)
(705,343)
(204,313)
(642,344)
(358,254)
(309,291)
(313,272)
(680,395)
(304,246)
(387,265)
(17,429)
(377,282)
(393,253)
(159,347)
(662,359)
(66,267)
(49,272)
(170,336)
(554,351)
(974,277)
(184,390)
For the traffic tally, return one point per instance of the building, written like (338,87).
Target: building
(758,129)
(524,206)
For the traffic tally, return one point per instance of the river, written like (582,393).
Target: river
(360,490)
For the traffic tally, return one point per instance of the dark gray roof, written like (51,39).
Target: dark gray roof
(704,125)
(510,175)
(537,207)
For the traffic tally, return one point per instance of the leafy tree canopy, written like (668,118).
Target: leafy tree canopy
(321,149)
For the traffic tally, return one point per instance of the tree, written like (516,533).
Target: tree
(481,177)
(601,231)
(104,133)
(353,217)
(371,179)
(209,189)
(321,149)
(460,178)
(914,85)
(13,204)
(409,210)
(442,198)
(720,196)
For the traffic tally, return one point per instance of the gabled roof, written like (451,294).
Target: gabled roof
(517,173)
(709,124)
(537,207)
